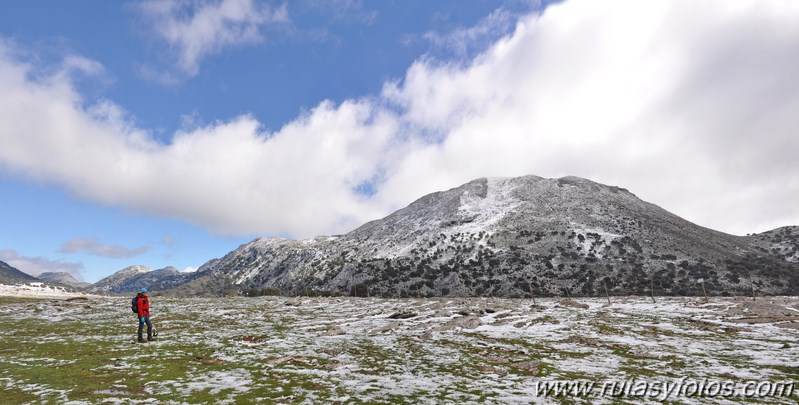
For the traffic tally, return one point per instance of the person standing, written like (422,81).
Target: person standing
(143,306)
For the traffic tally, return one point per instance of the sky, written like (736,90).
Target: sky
(169,133)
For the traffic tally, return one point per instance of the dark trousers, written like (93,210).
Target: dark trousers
(149,327)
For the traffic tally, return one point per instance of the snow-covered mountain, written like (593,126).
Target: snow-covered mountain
(514,237)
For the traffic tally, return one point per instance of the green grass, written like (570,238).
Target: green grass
(261,350)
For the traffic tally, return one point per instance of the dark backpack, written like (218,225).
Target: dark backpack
(134,305)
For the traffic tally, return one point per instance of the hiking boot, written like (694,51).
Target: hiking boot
(150,339)
(142,340)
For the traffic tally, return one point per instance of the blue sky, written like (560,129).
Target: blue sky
(168,133)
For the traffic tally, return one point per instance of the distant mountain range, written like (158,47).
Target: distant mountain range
(501,237)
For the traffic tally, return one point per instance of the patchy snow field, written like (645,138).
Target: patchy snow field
(37,290)
(358,350)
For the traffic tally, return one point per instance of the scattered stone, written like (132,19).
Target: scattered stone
(333,351)
(496,359)
(465,322)
(334,331)
(383,329)
(78,298)
(713,327)
(546,319)
(572,304)
(249,339)
(427,335)
(492,370)
(580,340)
(530,366)
(403,315)
(788,325)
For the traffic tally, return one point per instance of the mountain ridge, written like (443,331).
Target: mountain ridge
(12,275)
(514,237)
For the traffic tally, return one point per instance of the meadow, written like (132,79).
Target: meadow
(371,350)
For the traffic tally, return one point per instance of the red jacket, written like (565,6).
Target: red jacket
(143,305)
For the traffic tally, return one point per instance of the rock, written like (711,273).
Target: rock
(496,359)
(387,328)
(403,315)
(572,304)
(334,331)
(530,366)
(581,340)
(466,322)
(492,370)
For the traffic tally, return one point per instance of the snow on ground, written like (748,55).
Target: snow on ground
(487,211)
(446,350)
(38,290)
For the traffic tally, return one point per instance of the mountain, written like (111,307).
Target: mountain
(133,278)
(114,282)
(62,278)
(10,275)
(515,237)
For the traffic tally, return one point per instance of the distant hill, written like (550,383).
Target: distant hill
(62,278)
(133,278)
(113,282)
(10,275)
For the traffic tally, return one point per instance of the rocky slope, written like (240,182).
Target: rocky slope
(515,237)
(10,275)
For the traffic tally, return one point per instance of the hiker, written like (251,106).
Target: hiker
(143,306)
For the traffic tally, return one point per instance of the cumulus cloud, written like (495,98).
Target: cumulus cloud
(195,30)
(94,247)
(38,265)
(691,106)
(232,177)
(685,104)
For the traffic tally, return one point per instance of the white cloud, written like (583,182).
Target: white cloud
(38,265)
(463,39)
(94,247)
(231,177)
(195,30)
(689,105)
